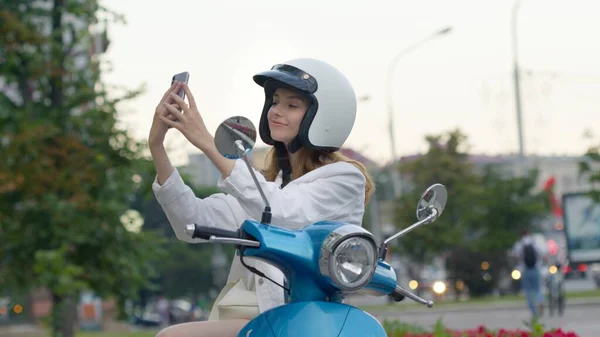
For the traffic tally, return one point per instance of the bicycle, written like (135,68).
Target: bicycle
(556,294)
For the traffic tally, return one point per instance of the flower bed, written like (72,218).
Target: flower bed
(398,329)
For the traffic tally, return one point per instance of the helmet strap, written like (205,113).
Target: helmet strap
(283,161)
(294,145)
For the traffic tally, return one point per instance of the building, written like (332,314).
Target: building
(81,54)
(202,172)
(565,169)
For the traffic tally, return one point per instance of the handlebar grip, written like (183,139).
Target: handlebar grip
(205,232)
(396,296)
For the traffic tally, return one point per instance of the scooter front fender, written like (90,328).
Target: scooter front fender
(324,319)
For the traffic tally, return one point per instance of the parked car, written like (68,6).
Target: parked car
(4,309)
(180,311)
(575,270)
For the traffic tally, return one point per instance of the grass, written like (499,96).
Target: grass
(475,301)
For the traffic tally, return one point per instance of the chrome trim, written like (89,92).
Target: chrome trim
(413,297)
(431,218)
(241,242)
(189,230)
(333,240)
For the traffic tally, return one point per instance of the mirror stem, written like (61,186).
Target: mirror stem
(413,226)
(383,251)
(428,219)
(266,215)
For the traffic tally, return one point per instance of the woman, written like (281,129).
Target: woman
(308,114)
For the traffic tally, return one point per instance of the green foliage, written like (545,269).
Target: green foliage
(485,213)
(589,168)
(445,162)
(186,269)
(67,172)
(396,328)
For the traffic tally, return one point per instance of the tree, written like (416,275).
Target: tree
(68,173)
(485,213)
(589,167)
(187,268)
(505,206)
(445,162)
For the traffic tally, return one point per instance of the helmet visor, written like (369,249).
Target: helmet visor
(290,75)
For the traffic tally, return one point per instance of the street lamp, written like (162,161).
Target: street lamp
(374,204)
(515,10)
(390,103)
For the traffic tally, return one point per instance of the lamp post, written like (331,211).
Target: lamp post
(517,88)
(374,204)
(390,104)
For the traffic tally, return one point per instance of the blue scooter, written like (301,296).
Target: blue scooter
(323,262)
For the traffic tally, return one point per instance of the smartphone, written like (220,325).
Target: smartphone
(181,77)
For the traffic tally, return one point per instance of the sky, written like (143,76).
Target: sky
(458,80)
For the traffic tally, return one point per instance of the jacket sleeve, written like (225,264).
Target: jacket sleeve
(334,188)
(182,207)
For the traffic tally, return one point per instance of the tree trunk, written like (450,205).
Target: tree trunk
(457,292)
(58,55)
(64,316)
(122,313)
(57,304)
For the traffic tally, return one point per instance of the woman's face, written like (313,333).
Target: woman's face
(285,114)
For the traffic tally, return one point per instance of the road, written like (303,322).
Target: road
(571,285)
(580,284)
(580,318)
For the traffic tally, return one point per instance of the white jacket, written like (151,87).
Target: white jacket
(332,192)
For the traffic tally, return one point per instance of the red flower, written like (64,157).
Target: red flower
(481,331)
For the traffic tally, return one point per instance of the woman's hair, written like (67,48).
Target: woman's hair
(310,160)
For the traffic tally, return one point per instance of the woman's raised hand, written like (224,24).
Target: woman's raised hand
(187,119)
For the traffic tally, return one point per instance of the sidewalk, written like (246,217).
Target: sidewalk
(475,307)
(20,330)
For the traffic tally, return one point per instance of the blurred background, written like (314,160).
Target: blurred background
(497,100)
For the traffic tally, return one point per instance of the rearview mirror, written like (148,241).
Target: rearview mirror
(234,129)
(429,208)
(434,197)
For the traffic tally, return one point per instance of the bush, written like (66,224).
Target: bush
(536,329)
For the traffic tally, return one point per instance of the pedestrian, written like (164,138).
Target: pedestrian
(162,306)
(530,254)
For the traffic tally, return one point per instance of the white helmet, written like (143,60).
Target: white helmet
(332,110)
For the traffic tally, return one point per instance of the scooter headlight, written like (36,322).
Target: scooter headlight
(349,257)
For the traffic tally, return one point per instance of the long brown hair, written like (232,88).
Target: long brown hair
(311,160)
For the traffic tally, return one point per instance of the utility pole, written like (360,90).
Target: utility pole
(396,183)
(516,79)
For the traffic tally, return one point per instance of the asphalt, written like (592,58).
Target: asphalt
(581,316)
(479,307)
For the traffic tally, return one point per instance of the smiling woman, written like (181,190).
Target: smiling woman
(286,114)
(306,121)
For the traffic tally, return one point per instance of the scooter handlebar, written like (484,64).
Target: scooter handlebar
(205,232)
(399,291)
(396,296)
